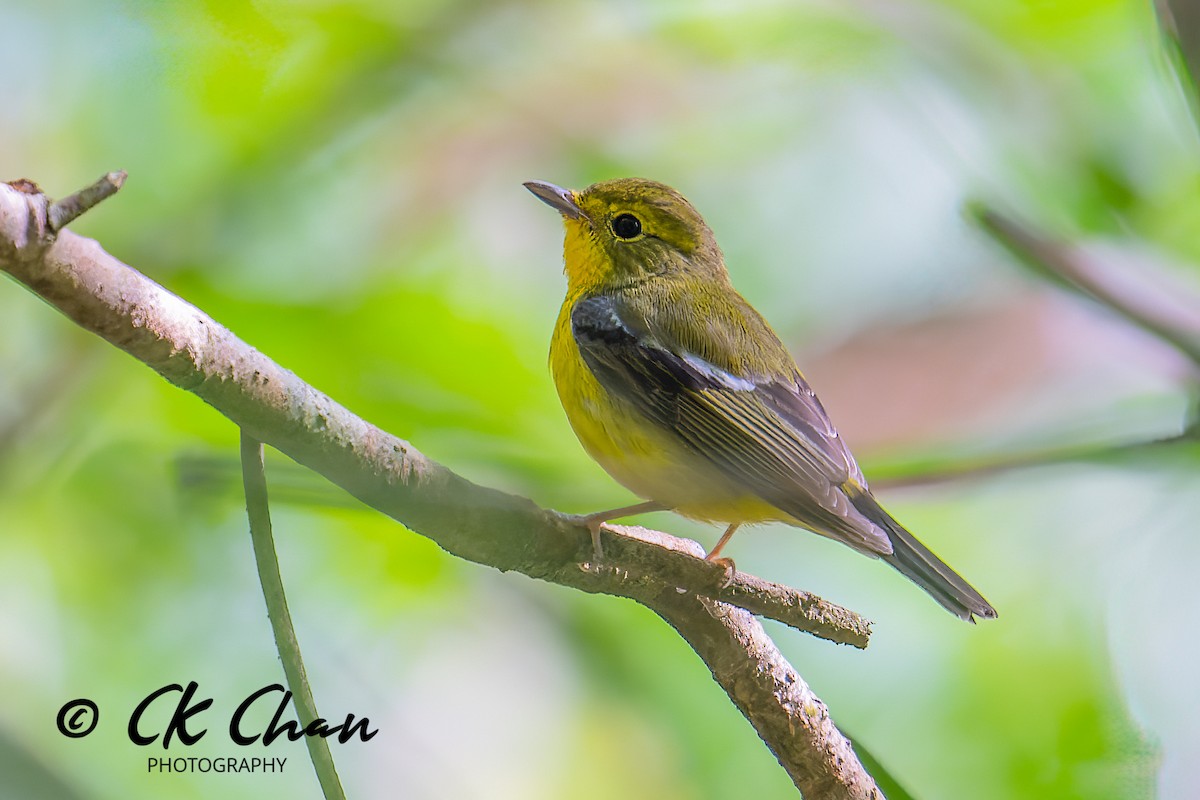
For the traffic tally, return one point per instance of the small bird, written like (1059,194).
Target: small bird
(681,391)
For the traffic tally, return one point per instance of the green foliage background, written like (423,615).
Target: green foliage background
(340,184)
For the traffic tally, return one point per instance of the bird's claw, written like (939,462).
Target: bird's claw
(730,569)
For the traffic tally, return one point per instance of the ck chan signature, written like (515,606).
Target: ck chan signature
(80,717)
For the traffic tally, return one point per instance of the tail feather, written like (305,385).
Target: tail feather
(918,563)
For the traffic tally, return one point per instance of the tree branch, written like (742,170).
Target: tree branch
(272,405)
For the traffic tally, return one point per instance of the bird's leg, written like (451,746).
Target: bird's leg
(727,563)
(594,521)
(712,554)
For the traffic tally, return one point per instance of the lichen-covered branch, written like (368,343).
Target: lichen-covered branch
(271,404)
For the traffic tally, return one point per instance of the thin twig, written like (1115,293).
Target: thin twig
(254,479)
(63,212)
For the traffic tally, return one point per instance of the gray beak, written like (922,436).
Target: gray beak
(560,199)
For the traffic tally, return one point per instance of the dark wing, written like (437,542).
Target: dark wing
(770,436)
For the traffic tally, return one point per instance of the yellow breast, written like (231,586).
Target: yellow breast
(631,449)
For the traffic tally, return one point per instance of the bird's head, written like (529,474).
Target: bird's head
(624,231)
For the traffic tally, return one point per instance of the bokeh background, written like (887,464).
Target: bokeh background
(340,183)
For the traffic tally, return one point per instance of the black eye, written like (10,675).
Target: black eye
(626,226)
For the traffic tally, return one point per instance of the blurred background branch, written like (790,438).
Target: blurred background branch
(930,472)
(1179,26)
(1172,314)
(1143,298)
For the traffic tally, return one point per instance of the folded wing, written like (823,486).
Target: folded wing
(768,434)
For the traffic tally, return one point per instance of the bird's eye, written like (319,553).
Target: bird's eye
(626,226)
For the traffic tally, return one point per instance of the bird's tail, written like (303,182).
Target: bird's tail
(918,563)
